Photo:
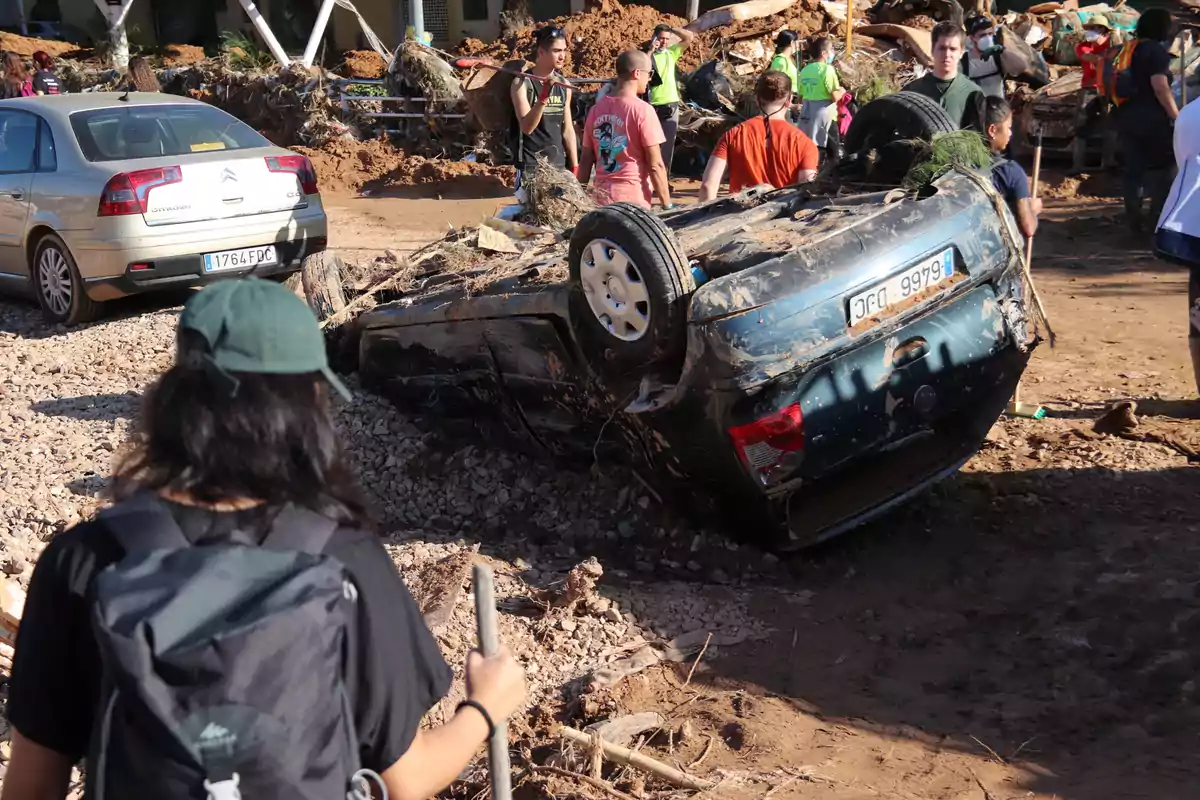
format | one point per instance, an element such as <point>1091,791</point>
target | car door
<point>18,160</point>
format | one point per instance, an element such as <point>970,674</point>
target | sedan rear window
<point>131,132</point>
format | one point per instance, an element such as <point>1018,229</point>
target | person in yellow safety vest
<point>667,47</point>
<point>785,58</point>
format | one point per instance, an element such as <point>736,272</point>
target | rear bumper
<point>872,486</point>
<point>182,271</point>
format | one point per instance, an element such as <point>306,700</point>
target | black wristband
<point>475,704</point>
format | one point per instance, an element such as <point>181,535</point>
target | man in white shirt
<point>1177,238</point>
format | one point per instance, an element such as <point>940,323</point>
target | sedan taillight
<point>770,442</point>
<point>299,166</point>
<point>128,192</point>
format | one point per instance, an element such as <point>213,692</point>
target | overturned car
<point>792,364</point>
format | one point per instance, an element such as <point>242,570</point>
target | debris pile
<point>594,38</point>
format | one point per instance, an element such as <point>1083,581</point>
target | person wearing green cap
<point>236,435</point>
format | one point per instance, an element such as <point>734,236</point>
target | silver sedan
<point>103,195</point>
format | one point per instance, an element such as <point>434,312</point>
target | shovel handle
<point>499,769</point>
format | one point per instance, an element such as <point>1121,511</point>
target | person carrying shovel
<point>545,129</point>
<point>231,626</point>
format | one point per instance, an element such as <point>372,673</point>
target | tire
<point>904,115</point>
<point>58,286</point>
<point>623,249</point>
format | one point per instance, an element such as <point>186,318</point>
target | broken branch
<point>599,784</point>
<point>623,755</point>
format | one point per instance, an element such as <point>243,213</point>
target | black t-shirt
<point>546,141</point>
<point>46,82</point>
<point>55,685</point>
<point>1150,58</point>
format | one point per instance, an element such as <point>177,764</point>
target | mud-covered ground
<point>1028,629</point>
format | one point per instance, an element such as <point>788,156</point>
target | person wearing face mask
<point>1093,105</point>
<point>982,64</point>
<point>820,92</point>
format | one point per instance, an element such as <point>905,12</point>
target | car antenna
<point>125,97</point>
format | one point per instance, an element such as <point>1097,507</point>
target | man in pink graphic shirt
<point>623,140</point>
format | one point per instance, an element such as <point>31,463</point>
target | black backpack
<point>224,664</point>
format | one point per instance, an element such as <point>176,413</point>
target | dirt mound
<point>345,166</point>
<point>806,18</point>
<point>415,170</point>
<point>594,38</point>
<point>363,64</point>
<point>597,36</point>
<point>922,21</point>
<point>26,46</point>
<point>182,55</point>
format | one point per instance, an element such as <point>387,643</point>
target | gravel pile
<point>69,399</point>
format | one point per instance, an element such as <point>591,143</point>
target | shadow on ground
<point>1051,616</point>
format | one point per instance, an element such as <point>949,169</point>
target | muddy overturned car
<point>838,356</point>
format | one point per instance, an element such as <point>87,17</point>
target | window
<point>129,132</point>
<point>475,10</point>
<point>18,141</point>
<point>47,156</point>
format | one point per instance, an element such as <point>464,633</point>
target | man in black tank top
<point>544,125</point>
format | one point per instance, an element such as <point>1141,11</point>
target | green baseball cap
<point>258,326</point>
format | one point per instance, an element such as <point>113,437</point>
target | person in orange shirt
<point>766,149</point>
<point>1093,104</point>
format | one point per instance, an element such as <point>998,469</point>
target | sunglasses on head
<point>549,34</point>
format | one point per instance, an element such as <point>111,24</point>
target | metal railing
<point>344,101</point>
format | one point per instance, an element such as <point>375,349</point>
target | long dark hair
<point>272,441</point>
<point>784,40</point>
<point>1155,24</point>
<point>14,74</point>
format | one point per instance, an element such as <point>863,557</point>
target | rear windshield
<point>130,132</point>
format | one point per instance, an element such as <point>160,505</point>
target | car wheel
<point>885,136</point>
<point>59,288</point>
<point>630,281</point>
<point>903,115</point>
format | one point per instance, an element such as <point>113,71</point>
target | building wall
<point>139,25</point>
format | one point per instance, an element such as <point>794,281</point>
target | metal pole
<point>21,13</point>
<point>416,18</point>
<point>693,10</point>
<point>499,769</point>
<point>318,31</point>
<point>849,26</point>
<point>114,14</point>
<point>264,31</point>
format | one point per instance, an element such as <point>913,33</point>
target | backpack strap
<point>143,523</point>
<point>296,528</point>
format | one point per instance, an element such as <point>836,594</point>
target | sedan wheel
<point>60,290</point>
<point>54,281</point>
<point>615,290</point>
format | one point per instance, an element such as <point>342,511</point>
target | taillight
<point>128,192</point>
<point>767,443</point>
<point>299,166</point>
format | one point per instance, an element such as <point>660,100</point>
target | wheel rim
<point>615,290</point>
<point>54,280</point>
